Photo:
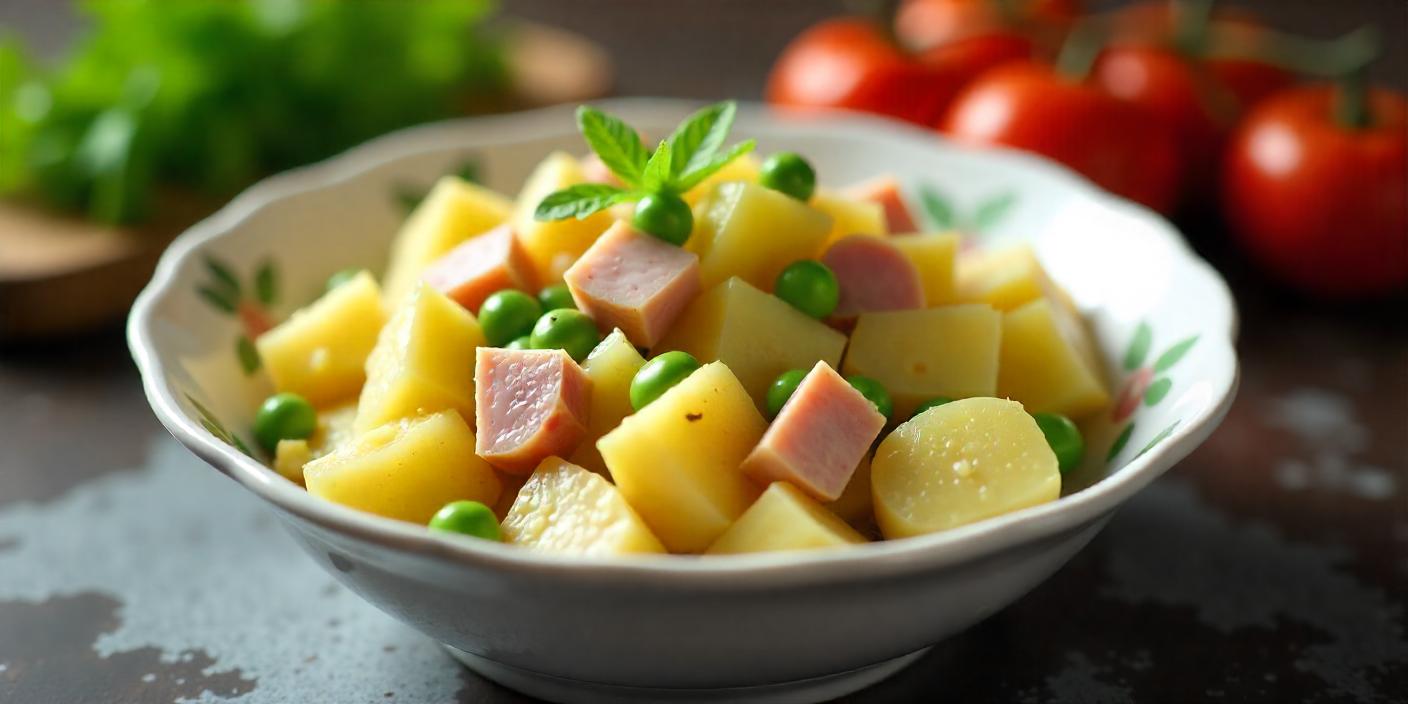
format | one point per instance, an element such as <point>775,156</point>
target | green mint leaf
<point>619,147</point>
<point>692,178</point>
<point>700,136</point>
<point>657,174</point>
<point>580,201</point>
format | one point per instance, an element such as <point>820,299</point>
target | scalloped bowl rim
<point>934,551</point>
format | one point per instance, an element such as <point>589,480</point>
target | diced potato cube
<point>422,362</point>
<point>784,518</point>
<point>1044,363</point>
<point>566,509</point>
<point>744,168</point>
<point>611,367</point>
<point>959,463</point>
<point>933,255</point>
<point>756,334</point>
<point>752,232</point>
<point>1004,278</point>
<point>289,458</point>
<point>406,470</point>
<point>677,460</point>
<point>553,246</point>
<point>454,211</point>
<point>854,506</point>
<point>321,351</point>
<point>849,216</point>
<point>919,354</point>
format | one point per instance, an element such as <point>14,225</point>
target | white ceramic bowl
<point>771,627</point>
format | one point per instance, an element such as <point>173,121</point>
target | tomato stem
<point>1352,100</point>
<point>1081,48</point>
<point>1191,21</point>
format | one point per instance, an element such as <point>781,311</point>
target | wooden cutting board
<point>61,275</point>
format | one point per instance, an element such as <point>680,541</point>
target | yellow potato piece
<point>677,460</point>
<point>784,518</point>
<point>933,255</point>
<point>423,362</point>
<point>454,211</point>
<point>554,246</point>
<point>853,505</point>
<point>1004,278</point>
<point>849,216</point>
<point>1043,365</point>
<point>611,367</point>
<point>959,463</point>
<point>321,351</point>
<point>919,354</point>
<point>744,168</point>
<point>406,470</point>
<point>289,458</point>
<point>745,230</point>
<point>756,334</point>
<point>564,508</point>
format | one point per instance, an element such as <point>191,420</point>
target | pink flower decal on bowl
<point>1146,384</point>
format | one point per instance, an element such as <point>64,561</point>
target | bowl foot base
<point>571,691</point>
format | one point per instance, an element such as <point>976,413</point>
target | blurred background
<point>121,123</point>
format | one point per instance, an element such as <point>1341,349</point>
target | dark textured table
<point>1271,565</point>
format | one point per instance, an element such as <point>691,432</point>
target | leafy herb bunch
<point>652,180</point>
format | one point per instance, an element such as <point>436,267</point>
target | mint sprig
<point>682,161</point>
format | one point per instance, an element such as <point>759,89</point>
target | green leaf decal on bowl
<point>1163,435</point>
<point>937,208</point>
<point>1157,391</point>
<point>1138,347</point>
<point>266,283</point>
<point>1120,441</point>
<point>1171,356</point>
<point>248,355</point>
<point>992,210</point>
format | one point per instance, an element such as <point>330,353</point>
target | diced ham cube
<point>819,437</point>
<point>885,190</point>
<point>530,404</point>
<point>635,282</point>
<point>480,266</point>
<point>874,275</point>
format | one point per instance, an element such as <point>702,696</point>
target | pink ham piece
<point>596,171</point>
<point>635,282</point>
<point>818,438</point>
<point>480,266</point>
<point>885,190</point>
<point>874,276</point>
<point>530,404</point>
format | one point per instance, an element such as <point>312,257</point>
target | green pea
<point>934,402</point>
<point>789,173</point>
<point>556,296</point>
<point>660,375</point>
<point>520,343</point>
<point>284,416</point>
<point>342,277</point>
<point>809,286</point>
<point>565,329</point>
<point>664,215</point>
<point>507,315</point>
<point>1064,438</point>
<point>782,389</point>
<point>875,392</point>
<point>466,518</point>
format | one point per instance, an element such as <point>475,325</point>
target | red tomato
<point>1322,206</point>
<point>1185,95</point>
<point>849,63</point>
<point>928,23</point>
<point>1110,141</point>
